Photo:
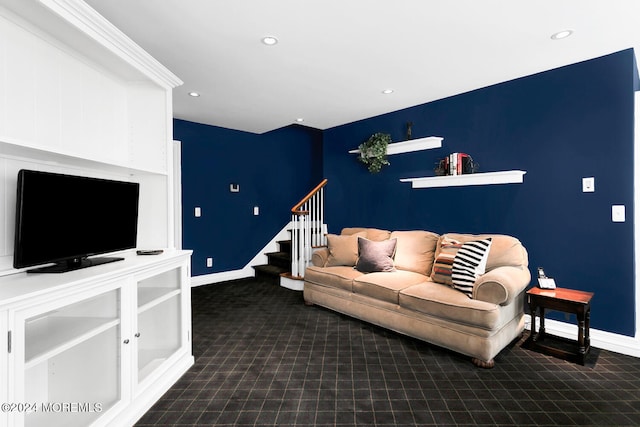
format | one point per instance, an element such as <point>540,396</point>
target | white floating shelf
<point>485,178</point>
<point>428,143</point>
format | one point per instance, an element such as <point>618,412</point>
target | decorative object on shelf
<point>409,125</point>
<point>373,152</point>
<point>456,164</point>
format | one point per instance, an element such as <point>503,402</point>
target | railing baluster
<point>308,229</point>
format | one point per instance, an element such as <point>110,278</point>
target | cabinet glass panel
<point>67,353</point>
<point>160,334</point>
<point>156,289</point>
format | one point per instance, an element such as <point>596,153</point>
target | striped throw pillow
<point>444,261</point>
<point>469,263</point>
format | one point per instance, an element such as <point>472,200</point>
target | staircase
<point>278,263</point>
<point>286,267</point>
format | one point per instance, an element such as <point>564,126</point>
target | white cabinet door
<point>66,359</point>
<point>4,368</point>
<point>160,323</point>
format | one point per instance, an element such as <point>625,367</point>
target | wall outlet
<point>197,212</point>
<point>588,185</point>
<point>618,213</point>
<point>209,262</point>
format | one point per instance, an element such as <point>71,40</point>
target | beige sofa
<point>409,300</point>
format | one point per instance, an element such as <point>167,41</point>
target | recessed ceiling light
<point>299,120</point>
<point>561,34</point>
<point>387,91</point>
<point>194,94</point>
<point>269,40</point>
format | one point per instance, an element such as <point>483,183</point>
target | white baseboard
<point>223,276</point>
<point>622,344</point>
<point>247,270</point>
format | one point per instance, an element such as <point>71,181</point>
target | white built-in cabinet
<point>106,341</point>
<point>79,97</point>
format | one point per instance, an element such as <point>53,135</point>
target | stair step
<point>269,272</point>
<point>285,245</point>
<point>280,259</point>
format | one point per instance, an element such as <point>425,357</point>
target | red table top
<point>563,294</point>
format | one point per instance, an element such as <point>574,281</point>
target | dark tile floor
<point>263,358</point>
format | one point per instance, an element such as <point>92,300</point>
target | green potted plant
<point>373,152</point>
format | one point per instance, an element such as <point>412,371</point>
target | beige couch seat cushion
<point>386,285</point>
<point>415,250</point>
<point>444,302</point>
<point>340,277</point>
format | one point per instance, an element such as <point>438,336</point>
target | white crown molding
<point>86,19</point>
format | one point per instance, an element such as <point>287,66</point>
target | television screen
<point>64,219</point>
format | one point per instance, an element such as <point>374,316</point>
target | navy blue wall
<point>559,126</point>
<point>274,171</point>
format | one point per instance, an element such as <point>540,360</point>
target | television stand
<point>74,264</point>
<point>108,341</point>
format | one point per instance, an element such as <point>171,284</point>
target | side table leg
<point>541,332</point>
<point>532,309</point>
<point>581,335</point>
<point>587,338</point>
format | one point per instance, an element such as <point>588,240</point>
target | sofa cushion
<point>447,303</point>
<point>343,250</point>
<point>375,256</point>
<point>340,277</point>
<point>385,286</point>
<point>415,250</point>
<point>370,233</point>
<point>469,264</point>
<point>446,252</point>
<point>505,250</point>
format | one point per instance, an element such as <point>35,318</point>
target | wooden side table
<point>568,301</point>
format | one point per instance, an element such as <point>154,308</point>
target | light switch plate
<point>197,212</point>
<point>617,213</point>
<point>256,210</point>
<point>588,185</point>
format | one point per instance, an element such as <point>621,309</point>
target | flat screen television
<point>65,219</point>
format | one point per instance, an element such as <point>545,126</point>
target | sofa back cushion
<point>415,250</point>
<point>505,250</point>
<point>343,250</point>
<point>374,234</point>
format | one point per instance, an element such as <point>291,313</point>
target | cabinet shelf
<point>149,360</point>
<point>150,297</point>
<point>49,336</point>
<point>22,149</point>
<point>418,144</point>
<point>485,178</point>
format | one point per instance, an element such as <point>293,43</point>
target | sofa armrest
<point>319,257</point>
<point>501,285</point>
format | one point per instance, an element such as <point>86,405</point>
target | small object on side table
<point>568,301</point>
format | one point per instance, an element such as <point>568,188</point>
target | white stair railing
<point>307,229</point>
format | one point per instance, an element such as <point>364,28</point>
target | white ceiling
<point>335,57</point>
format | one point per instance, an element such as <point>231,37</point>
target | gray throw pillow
<point>375,256</point>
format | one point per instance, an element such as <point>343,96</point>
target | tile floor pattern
<point>263,358</point>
